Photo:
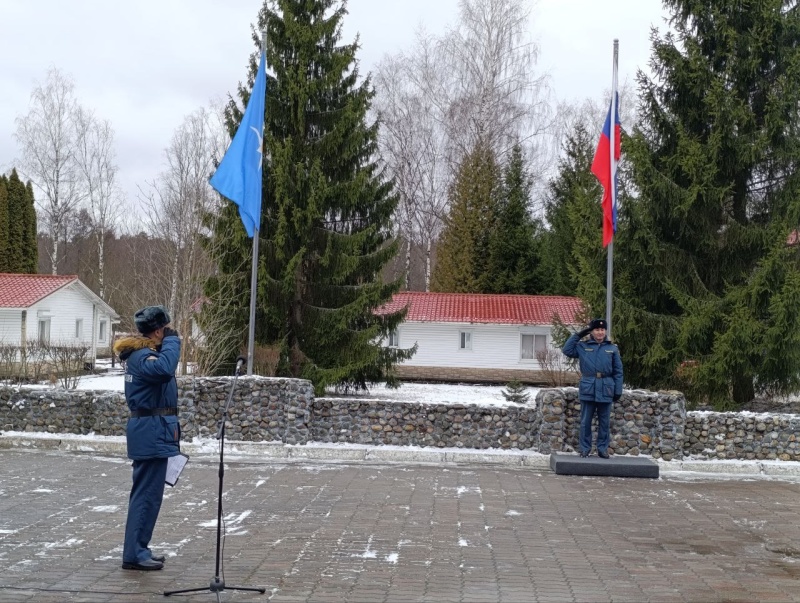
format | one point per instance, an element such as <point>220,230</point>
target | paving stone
<point>374,532</point>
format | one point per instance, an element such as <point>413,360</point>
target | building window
<point>102,332</point>
<point>78,328</point>
<point>465,340</point>
<point>530,344</point>
<point>44,331</point>
<point>394,339</point>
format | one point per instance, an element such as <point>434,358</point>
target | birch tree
<point>175,208</point>
<point>94,157</point>
<point>475,85</point>
<point>495,96</point>
<point>412,145</point>
<point>47,135</point>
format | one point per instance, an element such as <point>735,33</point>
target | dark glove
<point>584,333</point>
<point>617,397</point>
<point>170,332</point>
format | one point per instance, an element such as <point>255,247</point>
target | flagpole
<point>251,331</point>
<point>612,141</point>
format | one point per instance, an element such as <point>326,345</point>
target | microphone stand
<point>218,584</point>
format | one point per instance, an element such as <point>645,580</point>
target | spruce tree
<point>326,208</point>
<point>3,223</point>
<point>713,306</point>
<point>30,263</point>
<point>513,247</point>
<point>517,392</point>
<point>463,250</point>
<point>573,259</point>
<point>17,198</point>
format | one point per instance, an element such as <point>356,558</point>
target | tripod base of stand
<point>217,586</point>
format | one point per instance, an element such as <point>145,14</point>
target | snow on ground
<point>432,393</point>
<point>439,393</point>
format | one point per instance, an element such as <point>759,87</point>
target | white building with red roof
<point>53,308</point>
<point>478,337</point>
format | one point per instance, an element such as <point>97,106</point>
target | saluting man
<point>600,385</point>
<point>153,431</point>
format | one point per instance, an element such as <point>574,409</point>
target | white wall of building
<point>492,346</point>
<point>10,326</point>
<point>67,316</point>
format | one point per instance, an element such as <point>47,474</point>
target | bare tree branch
<point>47,136</point>
<point>94,157</point>
<point>174,210</point>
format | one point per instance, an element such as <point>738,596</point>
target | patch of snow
<point>392,557</point>
<point>462,542</point>
<point>432,393</point>
<point>70,542</point>
<point>437,393</point>
<point>106,509</point>
<point>368,552</point>
<point>466,489</point>
<point>739,413</point>
<point>512,513</point>
<point>229,520</point>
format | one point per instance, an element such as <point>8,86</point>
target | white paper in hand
<point>175,465</point>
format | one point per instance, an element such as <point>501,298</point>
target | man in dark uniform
<point>153,431</point>
<point>600,385</point>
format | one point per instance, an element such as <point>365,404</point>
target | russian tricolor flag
<point>605,169</point>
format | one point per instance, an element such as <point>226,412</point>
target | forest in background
<point>479,183</point>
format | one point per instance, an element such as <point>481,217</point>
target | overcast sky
<point>146,64</point>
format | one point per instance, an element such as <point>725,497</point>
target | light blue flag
<point>238,176</point>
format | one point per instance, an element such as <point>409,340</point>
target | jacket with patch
<point>601,368</point>
<point>150,383</point>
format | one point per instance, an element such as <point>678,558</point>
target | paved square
<point>389,533</point>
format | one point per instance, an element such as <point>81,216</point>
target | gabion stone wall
<point>285,410</point>
<point>415,424</point>
<point>262,409</point>
<point>642,422</point>
<point>743,436</point>
<point>61,411</point>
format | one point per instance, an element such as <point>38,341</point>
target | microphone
<point>240,362</point>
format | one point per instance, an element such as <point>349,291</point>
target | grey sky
<point>145,65</point>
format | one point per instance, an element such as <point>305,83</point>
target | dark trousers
<point>603,411</point>
<point>143,507</point>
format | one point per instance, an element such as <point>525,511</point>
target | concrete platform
<point>616,466</point>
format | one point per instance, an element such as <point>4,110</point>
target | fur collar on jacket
<point>128,345</point>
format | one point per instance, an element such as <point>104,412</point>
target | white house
<point>477,337</point>
<point>53,308</point>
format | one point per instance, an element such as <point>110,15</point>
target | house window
<point>44,331</point>
<point>102,332</point>
<point>530,344</point>
<point>394,339</point>
<point>465,340</point>
<point>78,328</point>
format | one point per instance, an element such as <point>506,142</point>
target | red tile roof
<point>24,290</point>
<point>485,308</point>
